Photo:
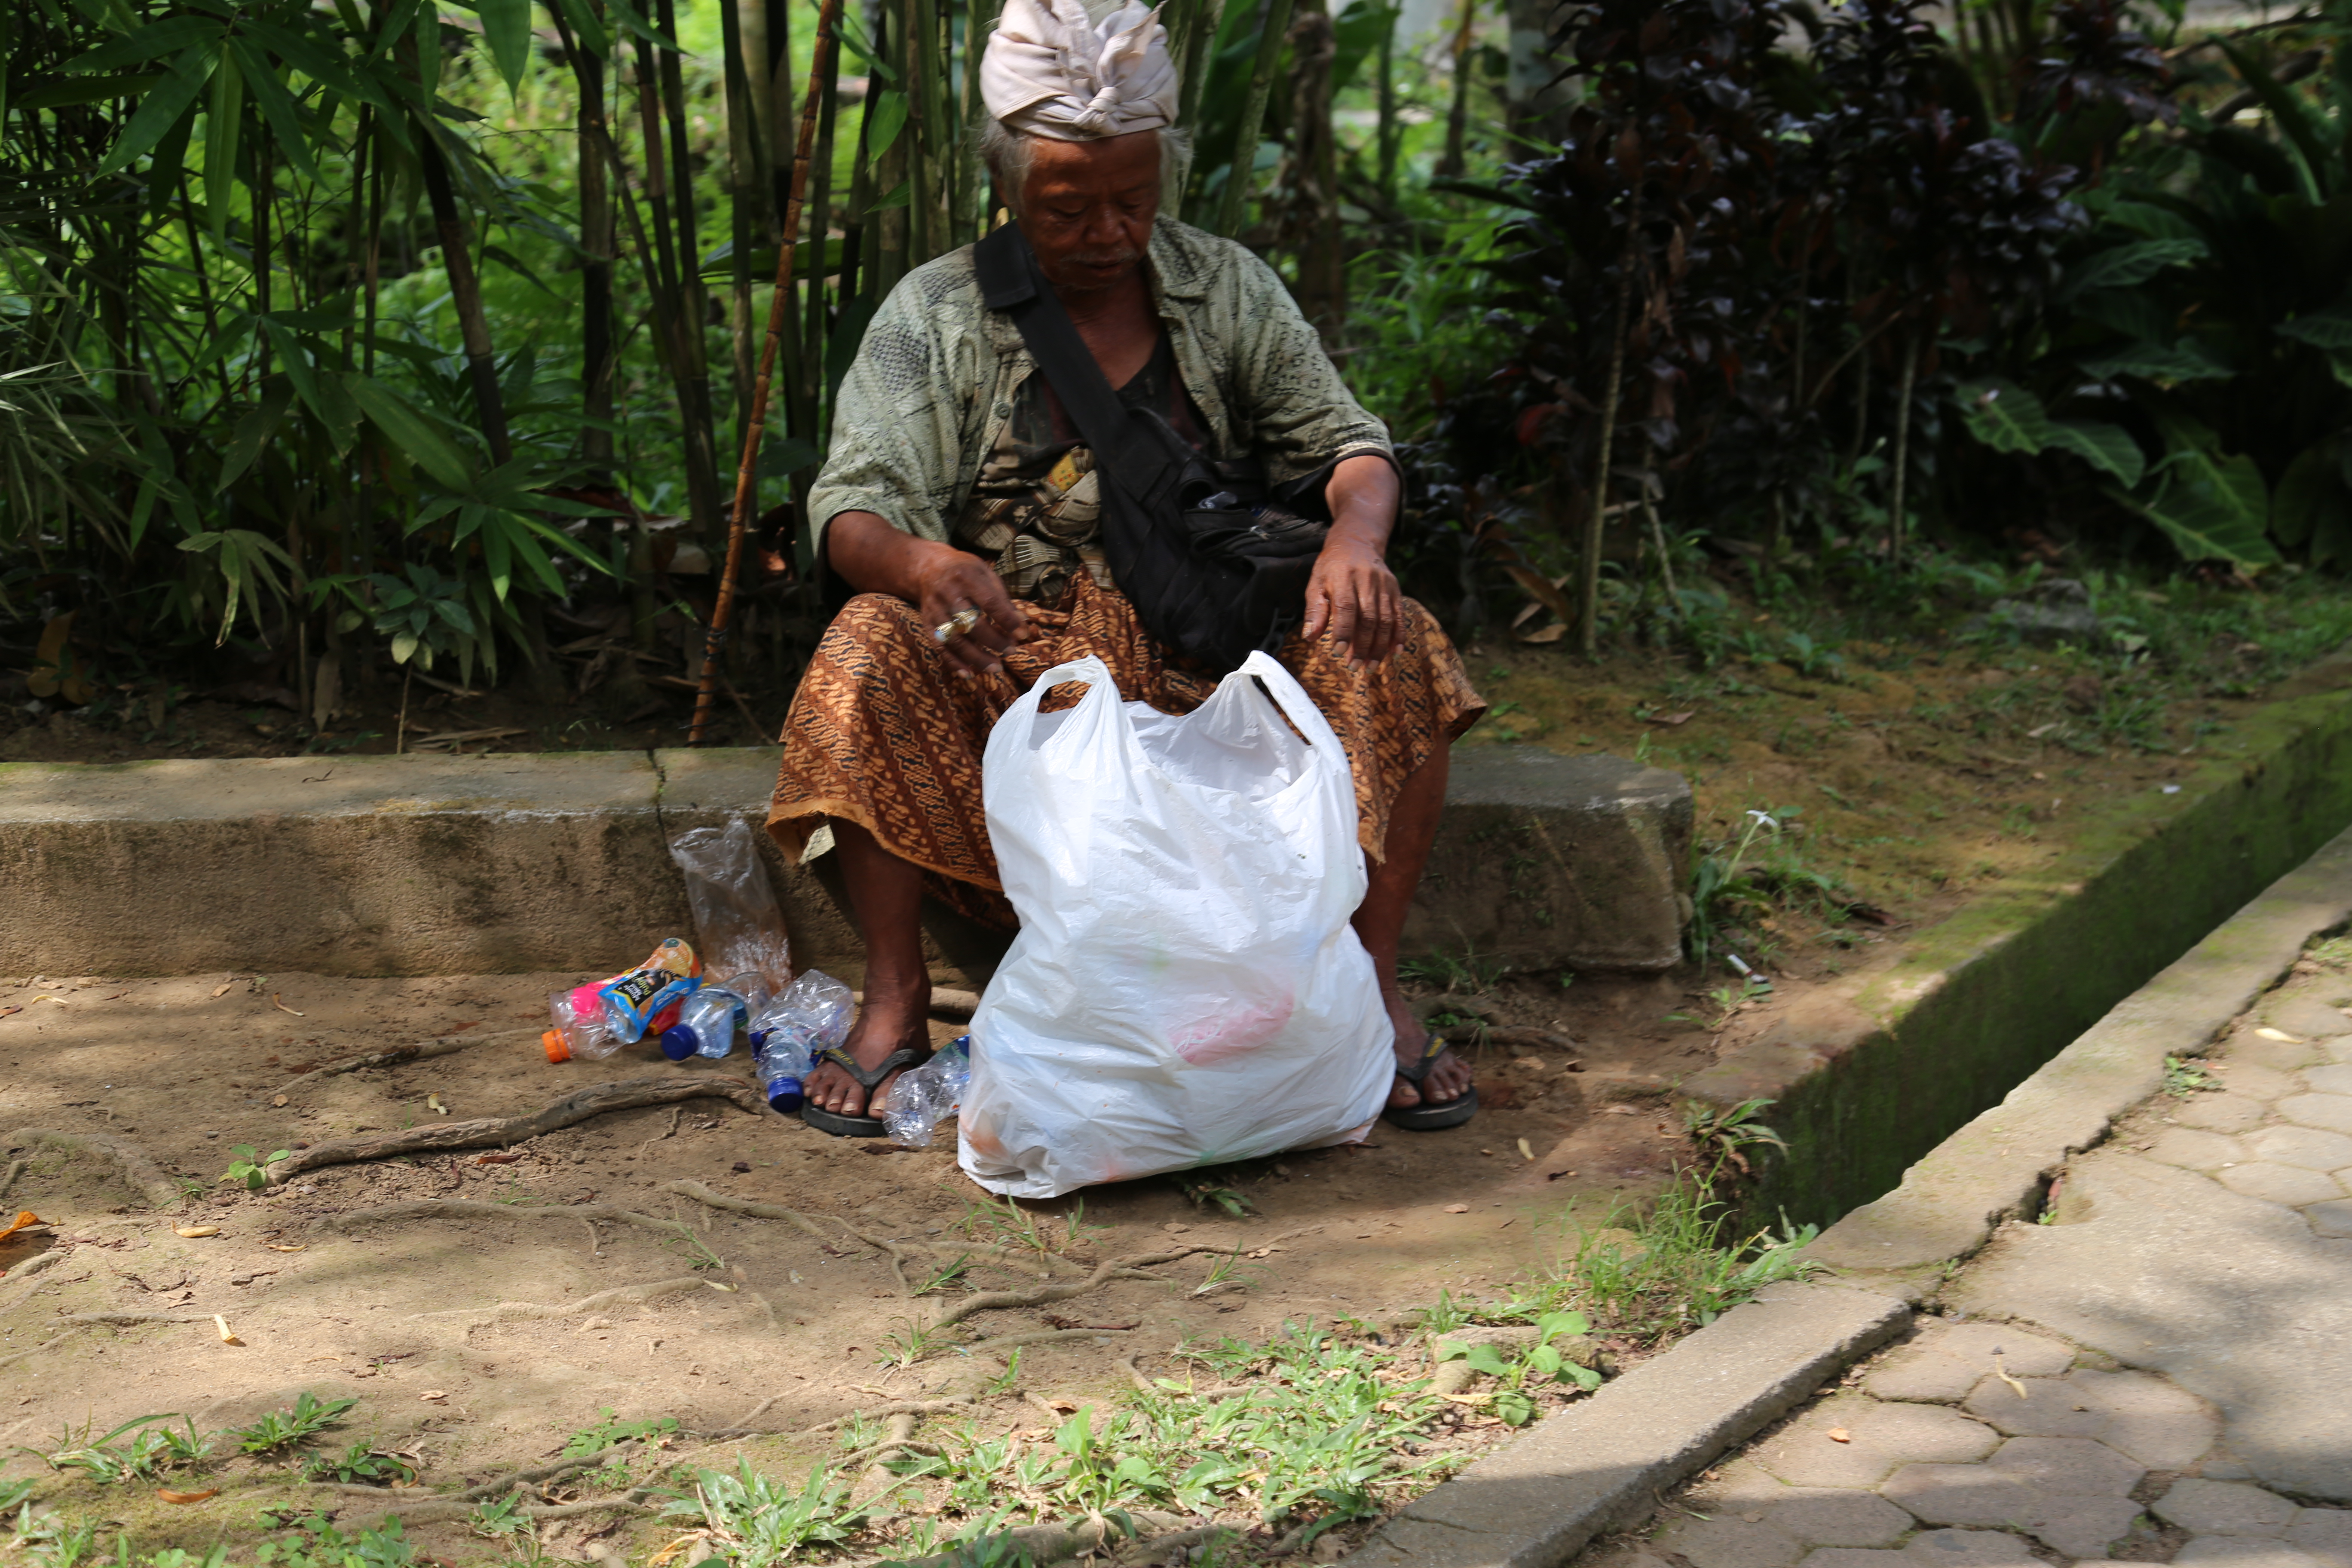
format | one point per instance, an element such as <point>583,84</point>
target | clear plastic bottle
<point>707,1024</point>
<point>810,1017</point>
<point>583,1028</point>
<point>923,1096</point>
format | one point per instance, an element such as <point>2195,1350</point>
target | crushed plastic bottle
<point>707,1024</point>
<point>637,999</point>
<point>923,1096</point>
<point>584,1029</point>
<point>810,1017</point>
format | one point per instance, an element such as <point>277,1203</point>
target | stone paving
<point>2160,1371</point>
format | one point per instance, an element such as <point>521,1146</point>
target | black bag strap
<point>1010,281</point>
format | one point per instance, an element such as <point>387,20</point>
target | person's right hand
<point>936,578</point>
<point>947,581</point>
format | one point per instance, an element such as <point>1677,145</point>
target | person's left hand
<point>1354,596</point>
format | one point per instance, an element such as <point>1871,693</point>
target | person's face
<point>1088,206</point>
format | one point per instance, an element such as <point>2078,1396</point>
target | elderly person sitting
<point>959,517</point>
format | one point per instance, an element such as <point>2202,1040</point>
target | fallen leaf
<point>2269,1034</point>
<point>1525,1152</point>
<point>173,1496</point>
<point>25,1218</point>
<point>1458,1208</point>
<point>2003,1373</point>
<point>280,1102</point>
<point>192,1231</point>
<point>1672,718</point>
<point>496,1159</point>
<point>275,1247</point>
<point>249,1278</point>
<point>434,1394</point>
<point>278,1001</point>
<point>1550,634</point>
<point>1621,1111</point>
<point>228,1336</point>
<point>5,1011</point>
<point>1840,1435</point>
<point>221,991</point>
<point>432,1102</point>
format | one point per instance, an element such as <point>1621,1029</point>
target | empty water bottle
<point>811,1017</point>
<point>923,1096</point>
<point>707,1024</point>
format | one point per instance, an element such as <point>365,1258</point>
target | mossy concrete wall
<point>1869,1076</point>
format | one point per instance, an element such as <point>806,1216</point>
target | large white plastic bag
<point>1185,987</point>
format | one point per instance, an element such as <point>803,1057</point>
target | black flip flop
<point>842,1126</point>
<point>1432,1118</point>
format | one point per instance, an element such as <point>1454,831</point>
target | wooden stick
<point>756,420</point>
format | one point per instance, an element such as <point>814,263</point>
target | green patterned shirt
<point>932,388</point>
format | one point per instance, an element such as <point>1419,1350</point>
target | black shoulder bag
<point>1214,574</point>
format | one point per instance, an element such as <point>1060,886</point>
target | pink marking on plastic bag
<point>1224,1033</point>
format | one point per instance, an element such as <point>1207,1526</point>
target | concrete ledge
<point>435,865</point>
<point>1548,861</point>
<point>1998,1166</point>
<point>1599,1464</point>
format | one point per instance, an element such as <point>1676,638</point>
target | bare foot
<point>1449,1076</point>
<point>884,1024</point>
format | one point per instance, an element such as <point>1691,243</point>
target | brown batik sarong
<point>883,733</point>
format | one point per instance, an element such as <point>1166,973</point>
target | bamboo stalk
<point>779,308</point>
<point>1457,118</point>
<point>465,296</point>
<point>1588,568</point>
<point>1235,208</point>
<point>1895,519</point>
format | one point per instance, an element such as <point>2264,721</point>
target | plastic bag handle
<point>1090,669</point>
<point>1281,687</point>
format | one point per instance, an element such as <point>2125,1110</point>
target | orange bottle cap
<point>551,1042</point>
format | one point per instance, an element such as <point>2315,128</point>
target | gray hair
<point>1006,153</point>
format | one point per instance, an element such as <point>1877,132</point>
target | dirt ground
<point>784,1331</point>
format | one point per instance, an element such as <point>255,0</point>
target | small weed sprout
<point>1728,1131</point>
<point>2184,1075</point>
<point>605,1434</point>
<point>249,1170</point>
<point>360,1465</point>
<point>947,1275</point>
<point>308,1417</point>
<point>1224,1274</point>
<point>698,1257</point>
<point>751,1521</point>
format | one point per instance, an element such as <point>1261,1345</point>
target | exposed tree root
<point>627,1094</point>
<point>544,1473</point>
<point>1044,1544</point>
<point>154,1185</point>
<point>1036,1337</point>
<point>423,1050</point>
<point>534,1312</point>
<point>1046,1295</point>
<point>125,1318</point>
<point>16,1169</point>
<point>899,1407</point>
<point>877,1478</point>
<point>50,1344</point>
<point>467,1208</point>
<point>899,1249</point>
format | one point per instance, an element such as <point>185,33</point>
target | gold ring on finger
<point>956,627</point>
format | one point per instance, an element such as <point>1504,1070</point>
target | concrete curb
<point>1602,1464</point>
<point>1599,1464</point>
<point>1998,1166</point>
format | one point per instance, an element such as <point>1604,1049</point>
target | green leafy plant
<point>306,1418</point>
<point>1544,1362</point>
<point>1203,1191</point>
<point>755,1521</point>
<point>1728,1131</point>
<point>248,1170</point>
<point>605,1434</point>
<point>360,1465</point>
<point>152,1449</point>
<point>1468,972</point>
<point>2185,1076</point>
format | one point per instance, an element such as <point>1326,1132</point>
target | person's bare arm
<point>1353,594</point>
<point>937,579</point>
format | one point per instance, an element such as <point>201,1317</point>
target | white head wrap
<point>1050,71</point>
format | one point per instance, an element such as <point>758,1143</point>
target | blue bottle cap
<point>677,1042</point>
<point>785,1094</point>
